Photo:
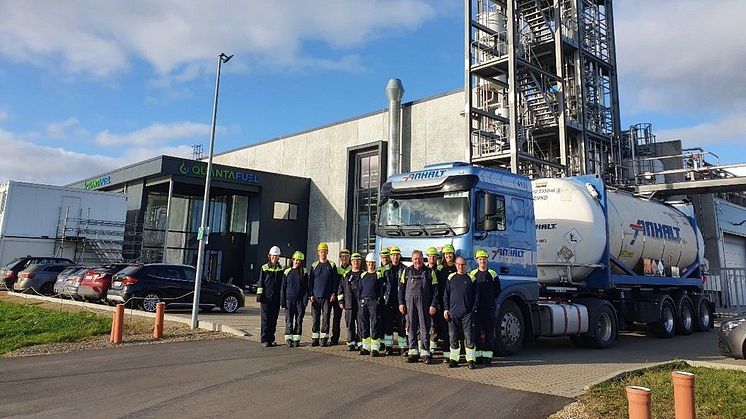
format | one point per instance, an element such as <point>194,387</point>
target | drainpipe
<point>394,93</point>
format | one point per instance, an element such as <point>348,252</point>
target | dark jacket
<point>392,275</point>
<point>370,286</point>
<point>323,279</point>
<point>347,291</point>
<point>442,272</point>
<point>270,284</point>
<point>460,294</point>
<point>294,285</point>
<point>488,287</point>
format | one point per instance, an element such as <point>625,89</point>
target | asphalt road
<point>237,377</point>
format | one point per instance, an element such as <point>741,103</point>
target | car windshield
<point>11,263</point>
<point>450,210</point>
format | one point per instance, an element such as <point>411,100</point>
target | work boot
<point>389,351</point>
<point>472,365</point>
<point>374,353</point>
<point>403,351</point>
<point>486,360</point>
<point>412,359</point>
<point>364,352</point>
<point>290,343</point>
<point>266,344</point>
<point>334,342</point>
<point>452,363</point>
<point>427,360</point>
<point>314,342</point>
<point>351,348</point>
<point>324,342</point>
<point>297,344</point>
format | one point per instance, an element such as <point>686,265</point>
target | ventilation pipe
<point>394,93</point>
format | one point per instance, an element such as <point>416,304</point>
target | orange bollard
<point>119,323</point>
<point>683,394</point>
<point>113,327</point>
<point>638,399</point>
<point>160,308</point>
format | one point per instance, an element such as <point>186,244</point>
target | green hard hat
<point>481,253</point>
<point>356,256</point>
<point>431,251</point>
<point>385,252</point>
<point>298,255</point>
<point>394,250</point>
<point>449,249</point>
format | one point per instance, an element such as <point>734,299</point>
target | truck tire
<point>604,328</point>
<point>665,327</point>
<point>510,329</point>
<point>704,319</point>
<point>685,319</point>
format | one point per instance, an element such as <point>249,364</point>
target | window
<point>55,268</point>
<point>367,181</point>
<point>285,211</point>
<point>239,213</point>
<point>499,216</point>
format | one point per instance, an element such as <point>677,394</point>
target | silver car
<point>59,286</point>
<point>732,337</point>
<point>39,279</point>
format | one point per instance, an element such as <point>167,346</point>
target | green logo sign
<point>196,169</point>
<point>97,183</point>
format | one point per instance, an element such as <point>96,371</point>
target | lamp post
<point>203,232</point>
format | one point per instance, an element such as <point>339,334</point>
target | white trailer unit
<point>46,220</point>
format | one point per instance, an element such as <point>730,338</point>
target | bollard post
<point>160,308</point>
<point>683,394</point>
<point>638,399</point>
<point>119,323</point>
<point>113,327</point>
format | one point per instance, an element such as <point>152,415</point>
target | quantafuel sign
<point>233,175</point>
<point>97,183</point>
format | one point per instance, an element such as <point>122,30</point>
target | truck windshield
<point>443,214</point>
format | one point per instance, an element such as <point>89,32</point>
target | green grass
<point>718,393</point>
<point>27,325</point>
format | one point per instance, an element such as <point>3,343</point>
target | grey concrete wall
<point>432,131</point>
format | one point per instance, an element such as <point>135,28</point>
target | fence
<point>727,290</point>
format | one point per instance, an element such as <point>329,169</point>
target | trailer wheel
<point>704,319</point>
<point>685,320</point>
<point>510,329</point>
<point>666,324</point>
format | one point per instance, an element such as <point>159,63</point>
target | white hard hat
<point>371,257</point>
<point>274,251</point>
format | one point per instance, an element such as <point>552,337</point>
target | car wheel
<point>46,288</point>
<point>150,301</point>
<point>229,304</point>
<point>685,321</point>
<point>666,324</point>
<point>704,319</point>
<point>510,329</point>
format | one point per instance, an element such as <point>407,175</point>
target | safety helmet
<point>449,249</point>
<point>356,256</point>
<point>344,252</point>
<point>274,251</point>
<point>394,250</point>
<point>371,257</point>
<point>298,255</point>
<point>323,246</point>
<point>385,252</point>
<point>431,251</point>
<point>481,253</point>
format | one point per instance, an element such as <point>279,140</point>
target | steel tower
<point>541,86</point>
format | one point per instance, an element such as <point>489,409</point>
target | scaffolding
<point>95,241</point>
<point>541,86</point>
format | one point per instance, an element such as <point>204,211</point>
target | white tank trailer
<point>572,232</point>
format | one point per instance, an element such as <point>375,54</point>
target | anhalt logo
<point>655,230</point>
<point>424,175</point>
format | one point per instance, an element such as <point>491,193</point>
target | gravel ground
<point>574,410</point>
<point>137,331</point>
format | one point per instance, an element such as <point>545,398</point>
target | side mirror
<point>489,224</point>
<point>490,204</point>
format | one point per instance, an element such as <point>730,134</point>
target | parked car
<point>147,285</point>
<point>59,285</point>
<point>732,337</point>
<point>9,272</point>
<point>72,283</point>
<point>96,281</point>
<point>38,279</point>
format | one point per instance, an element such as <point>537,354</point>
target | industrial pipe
<point>394,93</point>
<point>683,394</point>
<point>160,308</point>
<point>638,399</point>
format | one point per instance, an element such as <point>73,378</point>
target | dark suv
<point>9,272</point>
<point>147,285</point>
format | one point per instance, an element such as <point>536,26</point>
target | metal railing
<point>727,291</point>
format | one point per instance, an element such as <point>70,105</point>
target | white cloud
<point>60,129</point>
<point>182,38</point>
<point>730,129</point>
<point>155,134</point>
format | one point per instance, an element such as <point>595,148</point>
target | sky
<point>88,86</point>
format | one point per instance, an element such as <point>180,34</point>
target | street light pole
<point>203,232</point>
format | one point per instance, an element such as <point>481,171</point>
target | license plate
<point>117,283</point>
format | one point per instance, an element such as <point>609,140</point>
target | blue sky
<point>87,86</point>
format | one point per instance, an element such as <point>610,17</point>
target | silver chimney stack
<point>394,93</point>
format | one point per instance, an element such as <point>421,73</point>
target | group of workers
<point>431,306</point>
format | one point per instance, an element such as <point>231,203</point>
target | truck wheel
<point>604,328</point>
<point>666,324</point>
<point>704,320</point>
<point>685,321</point>
<point>510,329</point>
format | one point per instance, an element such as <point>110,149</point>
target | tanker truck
<point>574,257</point>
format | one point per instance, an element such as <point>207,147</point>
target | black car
<point>9,272</point>
<point>147,285</point>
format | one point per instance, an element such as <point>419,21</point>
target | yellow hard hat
<point>298,255</point>
<point>394,250</point>
<point>449,249</point>
<point>323,246</point>
<point>431,251</point>
<point>344,252</point>
<point>385,252</point>
<point>356,256</point>
<point>481,253</point>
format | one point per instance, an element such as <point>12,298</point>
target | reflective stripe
<point>340,297</point>
<point>454,355</point>
<point>424,353</point>
<point>366,344</point>
<point>388,340</point>
<point>351,344</point>
<point>446,354</point>
<point>470,355</point>
<point>324,335</point>
<point>487,354</point>
<point>296,338</point>
<point>478,354</point>
<point>260,290</point>
<point>413,352</point>
<point>288,337</point>
<point>375,345</point>
<point>314,335</point>
<point>433,346</point>
<point>402,342</point>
